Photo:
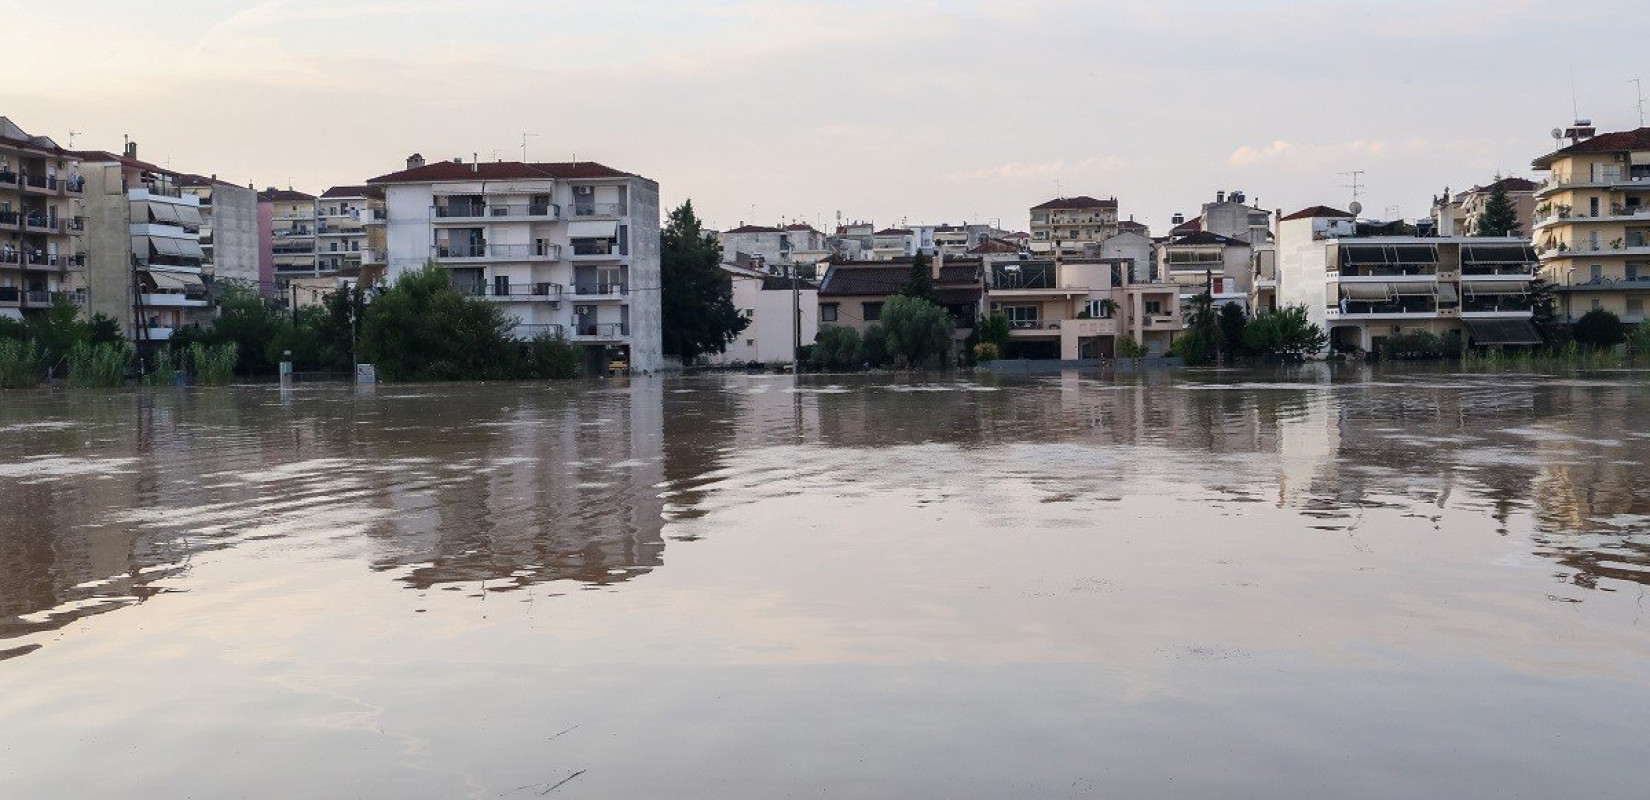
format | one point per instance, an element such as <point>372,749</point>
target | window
<point>1154,306</point>
<point>1022,316</point>
<point>873,312</point>
<point>1632,272</point>
<point>1635,309</point>
<point>1597,273</point>
<point>1598,305</point>
<point>827,312</point>
<point>1592,207</point>
<point>501,285</point>
<point>1099,309</point>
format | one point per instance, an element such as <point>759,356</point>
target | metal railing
<point>600,330</point>
<point>600,288</point>
<point>498,210</point>
<point>600,209</point>
<point>37,297</point>
<point>591,249</point>
<point>529,331</point>
<point>547,291</point>
<point>546,250</point>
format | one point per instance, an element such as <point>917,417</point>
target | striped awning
<point>1480,288</point>
<point>1502,331</point>
<point>1415,289</point>
<point>1366,291</point>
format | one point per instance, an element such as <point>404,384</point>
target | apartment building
<point>1065,225</point>
<point>1073,309</point>
<point>1458,214</point>
<point>42,246</point>
<point>769,301</point>
<point>145,264</point>
<point>343,223</point>
<point>780,245</point>
<point>292,221</point>
<point>891,243</point>
<point>567,249</point>
<point>1361,285</point>
<point>229,234</point>
<point>1592,222</point>
<point>1231,215</point>
<point>1207,261</point>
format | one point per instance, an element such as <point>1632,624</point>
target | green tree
<point>58,331</point>
<point>837,348</point>
<point>1500,216</point>
<point>697,303</point>
<point>918,332</point>
<point>1129,347</point>
<point>251,322</point>
<point>1232,322</point>
<point>1598,329</point>
<point>1544,308</point>
<point>920,283</point>
<point>1285,332</point>
<point>1638,342</point>
<point>994,330</point>
<point>1200,344</point>
<point>550,357</point>
<point>423,329</point>
<point>876,346</point>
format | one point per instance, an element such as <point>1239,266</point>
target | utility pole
<point>796,316</point>
<point>524,136</point>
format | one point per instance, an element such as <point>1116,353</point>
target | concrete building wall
<point>1131,246</point>
<point>108,244</point>
<point>236,255</point>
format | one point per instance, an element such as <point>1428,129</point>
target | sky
<point>918,111</point>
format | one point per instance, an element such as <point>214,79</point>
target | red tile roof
<point>894,232</point>
<point>1081,201</point>
<point>1190,226</point>
<point>1318,211</point>
<point>995,246</point>
<point>448,171</point>
<point>1131,225</point>
<point>1621,141</point>
<point>1205,237</point>
<point>753,229</point>
<point>283,196</point>
<point>801,228</point>
<point>1509,184</point>
<point>347,191</point>
<point>104,157</point>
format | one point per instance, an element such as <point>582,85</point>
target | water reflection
<point>491,489</point>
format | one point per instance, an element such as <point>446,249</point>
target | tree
<point>1599,328</point>
<point>918,332</point>
<point>876,346</point>
<point>252,322</point>
<point>1500,216</point>
<point>1545,310</point>
<point>1232,322</point>
<point>837,348</point>
<point>994,330</point>
<point>1201,342</point>
<point>697,303</point>
<point>1285,332</point>
<point>58,331</point>
<point>920,284</point>
<point>421,328</point>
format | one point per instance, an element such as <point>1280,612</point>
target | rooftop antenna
<point>1575,98</point>
<point>524,136</point>
<point>74,133</point>
<point>1356,185</point>
<point>1637,83</point>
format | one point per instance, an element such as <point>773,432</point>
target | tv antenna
<point>1357,184</point>
<point>73,133</point>
<point>1638,83</point>
<point>524,136</point>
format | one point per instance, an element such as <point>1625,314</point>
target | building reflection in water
<point>105,499</point>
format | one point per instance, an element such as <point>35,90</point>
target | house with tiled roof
<point>778,246</point>
<point>852,293</point>
<point>564,248</point>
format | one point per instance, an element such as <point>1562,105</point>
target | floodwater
<point>1304,584</point>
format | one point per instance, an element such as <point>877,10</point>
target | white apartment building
<point>782,245</point>
<point>1207,261</point>
<point>229,229</point>
<point>567,249</point>
<point>1066,225</point>
<point>769,301</point>
<point>342,214</point>
<point>1362,288</point>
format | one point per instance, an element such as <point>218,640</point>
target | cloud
<point>1014,170</point>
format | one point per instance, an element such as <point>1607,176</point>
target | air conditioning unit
<point>584,190</point>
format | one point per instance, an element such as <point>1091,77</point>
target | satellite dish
<point>1356,208</point>
<point>1558,133</point>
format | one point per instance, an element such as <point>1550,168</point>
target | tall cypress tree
<point>920,283</point>
<point>1500,217</point>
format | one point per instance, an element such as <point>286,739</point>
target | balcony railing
<point>10,295</point>
<point>600,209</point>
<point>600,289</point>
<point>42,224</point>
<point>37,298</point>
<point>502,252</point>
<point>1386,271</point>
<point>595,249</point>
<point>600,330</point>
<point>526,211</point>
<point>538,291</point>
<point>1024,324</point>
<point>74,184</point>
<point>528,332</point>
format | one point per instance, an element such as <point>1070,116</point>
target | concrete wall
<point>108,244</point>
<point>236,255</point>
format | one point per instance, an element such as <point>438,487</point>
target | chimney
<point>937,264</point>
<point>1177,219</point>
<point>415,161</point>
<point>1220,197</point>
<point>475,162</point>
<point>131,150</point>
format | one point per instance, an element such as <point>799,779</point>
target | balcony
<point>33,223</point>
<point>584,210</point>
<point>9,179</point>
<point>10,296</point>
<point>515,292</point>
<point>496,252</point>
<point>1635,282</point>
<point>1615,215</point>
<point>496,212</point>
<point>74,184</point>
<point>37,298</point>
<point>173,300</point>
<point>600,331</point>
<point>155,333</point>
<point>1161,322</point>
<point>39,184</point>
<point>595,250</point>
<point>374,257</point>
<point>599,290</point>
<point>47,261</point>
<point>529,332</point>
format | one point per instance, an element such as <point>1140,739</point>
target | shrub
<point>837,348</point>
<point>1412,346</point>
<point>98,366</point>
<point>551,357</point>
<point>1598,328</point>
<point>1127,347</point>
<point>161,368</point>
<point>987,351</point>
<point>1285,332</point>
<point>214,364</point>
<point>918,332</point>
<point>20,366</point>
<point>876,346</point>
<point>1638,342</point>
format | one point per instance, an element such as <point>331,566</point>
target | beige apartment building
<point>1458,214</point>
<point>1071,309</point>
<point>292,228</point>
<point>1592,222</point>
<point>42,250</point>
<point>1065,225</point>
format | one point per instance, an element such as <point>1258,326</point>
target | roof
<point>774,283</point>
<point>1508,184</point>
<point>449,171</point>
<point>104,156</point>
<point>1205,237</point>
<point>894,232</point>
<point>801,227</point>
<point>11,132</point>
<point>887,278</point>
<point>995,246</point>
<point>1190,226</point>
<point>284,196</point>
<point>1619,141</point>
<point>1080,201</point>
<point>1131,225</point>
<point>346,191</point>
<point>753,229</point>
<point>1318,211</point>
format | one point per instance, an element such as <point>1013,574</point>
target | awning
<point>11,313</point>
<point>189,216</point>
<point>165,213</point>
<point>1415,289</point>
<point>1447,293</point>
<point>593,229</point>
<point>1365,291</point>
<point>177,248</point>
<point>1478,288</point>
<point>175,281</point>
<point>1497,254</point>
<point>1502,331</point>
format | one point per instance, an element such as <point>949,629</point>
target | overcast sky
<point>888,110</point>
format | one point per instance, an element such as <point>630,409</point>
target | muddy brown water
<point>1303,584</point>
